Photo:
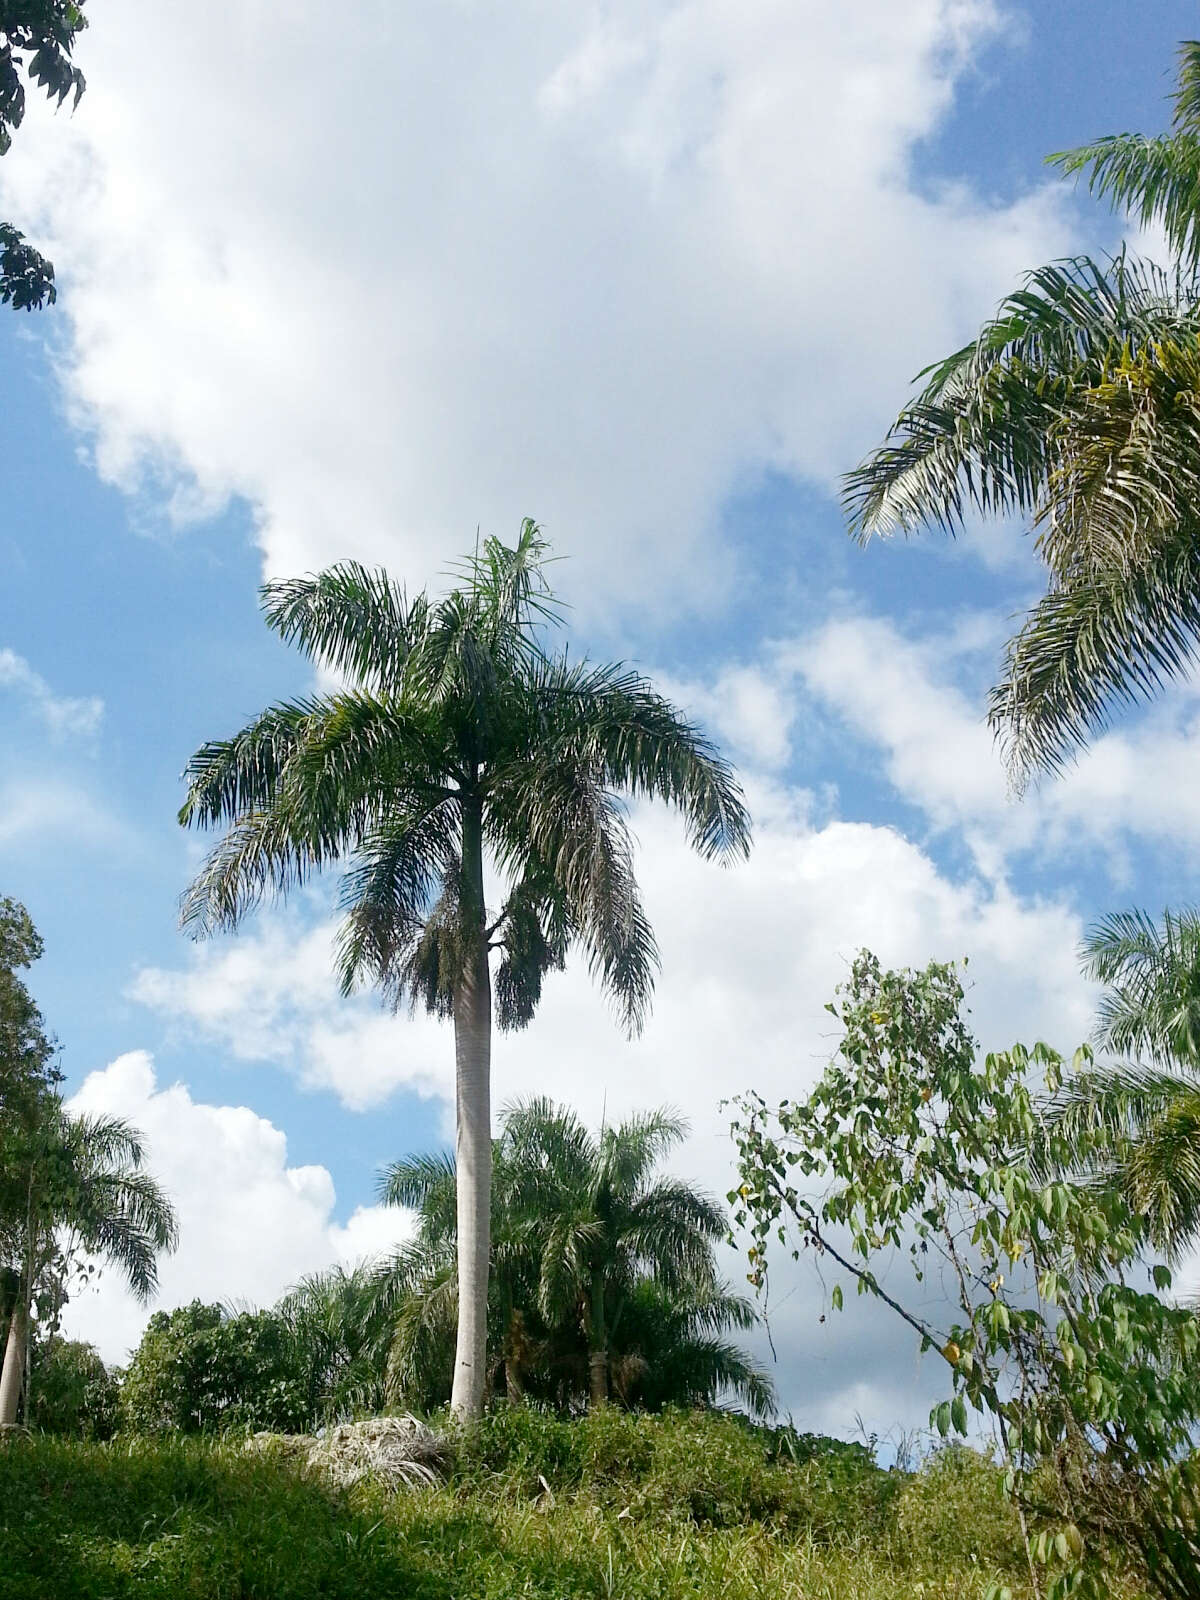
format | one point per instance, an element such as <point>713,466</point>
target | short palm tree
<point>338,1341</point>
<point>460,739</point>
<point>1077,407</point>
<point>1149,1096</point>
<point>85,1193</point>
<point>604,1274</point>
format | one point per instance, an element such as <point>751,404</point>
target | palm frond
<point>1151,1004</point>
<point>350,618</point>
<point>1157,180</point>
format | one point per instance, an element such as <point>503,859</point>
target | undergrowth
<point>679,1507</point>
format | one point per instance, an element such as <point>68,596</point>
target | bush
<point>72,1391</point>
<point>200,1371</point>
<point>955,1509</point>
<point>715,1469</point>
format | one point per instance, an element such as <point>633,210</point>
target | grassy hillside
<point>639,1508</point>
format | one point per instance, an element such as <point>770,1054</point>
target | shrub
<point>955,1509</point>
<point>72,1391</point>
<point>715,1469</point>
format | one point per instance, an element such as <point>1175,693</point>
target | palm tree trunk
<point>598,1377</point>
<point>14,1365</point>
<point>598,1346</point>
<point>473,1131</point>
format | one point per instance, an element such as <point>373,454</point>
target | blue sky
<point>655,277</point>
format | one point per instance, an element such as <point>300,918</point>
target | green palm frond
<point>425,1183</point>
<point>1076,408</point>
<point>351,619</point>
<point>1151,970</point>
<point>1091,646</point>
<point>1157,180</point>
<point>389,891</point>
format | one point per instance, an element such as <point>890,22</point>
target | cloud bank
<point>442,266</point>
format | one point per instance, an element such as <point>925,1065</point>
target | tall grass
<point>672,1508</point>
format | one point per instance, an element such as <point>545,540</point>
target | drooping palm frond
<point>1157,180</point>
<point>1151,970</point>
<point>1075,408</point>
<point>1152,1117</point>
<point>425,1184</point>
<point>985,433</point>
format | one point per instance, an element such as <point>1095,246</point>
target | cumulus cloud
<point>63,715</point>
<point>919,704</point>
<point>250,1224</point>
<point>446,266</point>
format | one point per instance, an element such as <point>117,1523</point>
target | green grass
<point>640,1509</point>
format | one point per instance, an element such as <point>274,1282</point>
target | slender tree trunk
<point>598,1377</point>
<point>14,1365</point>
<point>473,1130</point>
<point>598,1347</point>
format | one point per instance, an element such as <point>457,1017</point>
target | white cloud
<point>33,807</point>
<point>270,996</point>
<point>250,1225</point>
<point>445,267</point>
<point>63,715</point>
<point>905,697</point>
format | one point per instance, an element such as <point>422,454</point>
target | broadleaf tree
<point>461,742</point>
<point>1038,1294</point>
<point>37,38</point>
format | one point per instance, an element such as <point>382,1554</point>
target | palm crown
<point>460,731</point>
<point>1076,408</point>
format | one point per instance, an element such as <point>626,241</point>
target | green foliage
<point>36,40</point>
<point>198,1370</point>
<point>73,1392</point>
<point>1076,407</point>
<point>916,1146</point>
<point>1149,1107</point>
<point>603,1281</point>
<point>459,719</point>
<point>718,1470</point>
<point>152,1520</point>
<point>955,1510</point>
<point>26,1052</point>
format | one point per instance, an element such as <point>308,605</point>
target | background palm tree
<point>461,740</point>
<point>604,1276</point>
<point>1077,407</point>
<point>85,1193</point>
<point>1150,1011</point>
<point>339,1341</point>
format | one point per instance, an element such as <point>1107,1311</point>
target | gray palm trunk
<point>473,1131</point>
<point>14,1366</point>
<point>598,1353</point>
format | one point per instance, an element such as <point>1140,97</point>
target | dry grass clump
<point>399,1452</point>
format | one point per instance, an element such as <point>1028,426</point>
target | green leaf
<point>836,1297</point>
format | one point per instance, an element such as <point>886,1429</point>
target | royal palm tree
<point>1077,408</point>
<point>1149,1096</point>
<point>460,740</point>
<point>85,1192</point>
<point>604,1273</point>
